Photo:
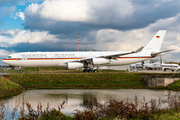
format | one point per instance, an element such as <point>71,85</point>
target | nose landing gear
<point>21,71</point>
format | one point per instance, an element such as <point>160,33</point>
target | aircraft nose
<point>5,61</point>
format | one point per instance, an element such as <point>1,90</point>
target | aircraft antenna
<point>78,42</point>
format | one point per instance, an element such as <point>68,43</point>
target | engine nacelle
<point>100,61</point>
<point>74,65</point>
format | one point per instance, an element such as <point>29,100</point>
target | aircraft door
<point>138,55</point>
<point>51,56</point>
<point>18,57</point>
<point>24,57</point>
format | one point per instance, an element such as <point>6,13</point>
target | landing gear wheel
<point>85,70</point>
<point>21,71</point>
<point>89,70</point>
<point>95,71</point>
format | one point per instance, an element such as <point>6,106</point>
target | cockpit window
<point>9,56</point>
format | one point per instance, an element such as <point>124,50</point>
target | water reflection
<point>80,98</point>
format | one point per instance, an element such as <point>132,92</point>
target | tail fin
<point>155,43</point>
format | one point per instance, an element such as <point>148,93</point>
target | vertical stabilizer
<point>155,43</point>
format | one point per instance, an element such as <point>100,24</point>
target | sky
<point>113,25</point>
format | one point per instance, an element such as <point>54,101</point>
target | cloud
<point>5,53</point>
<point>87,14</point>
<point>10,32</point>
<point>77,10</point>
<point>8,8</point>
<point>25,36</point>
<point>113,40</point>
<point>69,10</point>
<point>170,23</point>
<point>21,15</point>
<point>176,47</point>
<point>5,11</point>
<point>109,12</point>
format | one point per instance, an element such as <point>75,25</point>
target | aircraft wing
<point>158,53</point>
<point>121,54</point>
<point>112,56</point>
<point>89,59</point>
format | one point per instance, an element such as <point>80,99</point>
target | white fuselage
<point>59,59</point>
<point>153,66</point>
<point>170,66</point>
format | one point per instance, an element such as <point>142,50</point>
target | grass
<point>90,80</point>
<point>80,80</point>
<point>167,116</point>
<point>175,86</point>
<point>30,69</point>
<point>51,70</point>
<point>9,88</point>
<point>159,75</point>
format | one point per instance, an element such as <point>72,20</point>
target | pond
<point>79,98</point>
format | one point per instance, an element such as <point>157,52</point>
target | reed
<point>112,109</point>
<point>2,110</point>
<point>135,110</point>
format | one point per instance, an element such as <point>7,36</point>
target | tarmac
<point>153,71</point>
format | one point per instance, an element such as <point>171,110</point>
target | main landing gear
<point>90,70</point>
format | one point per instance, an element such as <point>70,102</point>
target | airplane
<point>161,65</point>
<point>172,67</point>
<point>90,61</point>
<point>153,65</point>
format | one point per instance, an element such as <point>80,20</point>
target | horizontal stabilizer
<point>153,54</point>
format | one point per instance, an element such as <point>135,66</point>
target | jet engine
<point>74,65</point>
<point>100,61</point>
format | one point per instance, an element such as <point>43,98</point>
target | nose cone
<point>5,61</point>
